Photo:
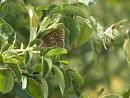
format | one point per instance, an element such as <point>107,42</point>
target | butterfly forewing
<point>54,38</point>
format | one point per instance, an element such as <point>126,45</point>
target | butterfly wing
<point>54,38</point>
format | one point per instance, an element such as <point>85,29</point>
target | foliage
<point>33,70</point>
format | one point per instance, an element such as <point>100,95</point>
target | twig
<point>23,72</point>
<point>17,50</point>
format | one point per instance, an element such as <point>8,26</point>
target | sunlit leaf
<point>33,22</point>
<point>41,11</point>
<point>44,24</point>
<point>11,61</point>
<point>49,23</point>
<point>56,51</point>
<point>64,62</point>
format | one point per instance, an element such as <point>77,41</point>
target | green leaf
<point>42,7</point>
<point>75,76</point>
<point>11,61</point>
<point>28,57</point>
<point>34,88</point>
<point>49,23</point>
<point>71,10</point>
<point>76,89</point>
<point>17,17</point>
<point>35,41</point>
<point>84,34</point>
<point>19,92</point>
<point>56,51</point>
<point>48,66</point>
<point>33,22</point>
<point>43,24</point>
<point>3,9</point>
<point>44,87</point>
<point>50,8</point>
<point>96,25</point>
<point>38,68</point>
<point>64,62</point>
<point>72,26</point>
<point>41,10</point>
<point>126,94</point>
<point>6,81</point>
<point>126,48</point>
<point>16,71</point>
<point>2,41</point>
<point>61,79</point>
<point>1,59</point>
<point>75,10</point>
<point>56,10</point>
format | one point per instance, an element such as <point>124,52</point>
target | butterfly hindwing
<point>54,38</point>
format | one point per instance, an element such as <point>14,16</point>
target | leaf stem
<point>17,50</point>
<point>20,51</point>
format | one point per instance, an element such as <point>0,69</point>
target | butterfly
<point>54,38</point>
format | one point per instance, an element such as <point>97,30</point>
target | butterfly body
<point>54,38</point>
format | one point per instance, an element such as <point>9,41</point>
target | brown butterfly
<point>54,38</point>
